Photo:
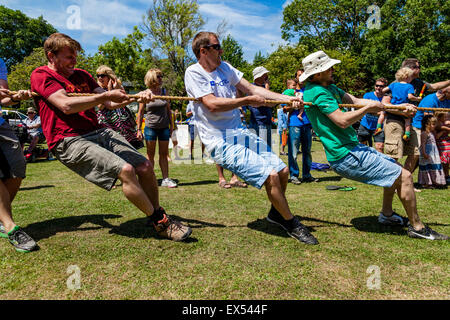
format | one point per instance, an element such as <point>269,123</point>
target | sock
<point>158,215</point>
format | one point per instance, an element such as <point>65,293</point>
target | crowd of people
<point>97,136</point>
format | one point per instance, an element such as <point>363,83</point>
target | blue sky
<point>254,24</point>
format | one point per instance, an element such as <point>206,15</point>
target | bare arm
<point>8,100</point>
<point>423,141</point>
<point>412,97</point>
<point>408,113</point>
<point>139,118</point>
<point>439,85</point>
<point>346,119</point>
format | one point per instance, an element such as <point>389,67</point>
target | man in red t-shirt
<point>75,137</point>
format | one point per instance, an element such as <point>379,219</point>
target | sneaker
<point>295,180</point>
<point>172,229</point>
<point>294,228</point>
<point>394,220</point>
<point>425,233</point>
<point>310,179</point>
<point>169,183</point>
<point>20,240</point>
<point>3,233</point>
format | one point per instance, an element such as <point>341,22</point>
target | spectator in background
<point>300,133</point>
<point>370,122</point>
<point>443,141</point>
<point>120,120</point>
<point>431,174</point>
<point>261,117</point>
<point>193,133</point>
<point>158,125</point>
<point>34,130</point>
<point>12,169</point>
<point>395,120</point>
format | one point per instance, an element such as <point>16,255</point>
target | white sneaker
<point>394,220</point>
<point>169,183</point>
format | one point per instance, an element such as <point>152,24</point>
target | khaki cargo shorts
<point>395,146</point>
<point>98,156</point>
<point>12,161</point>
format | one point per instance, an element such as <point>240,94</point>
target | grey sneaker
<point>295,180</point>
<point>425,233</point>
<point>20,240</point>
<point>394,220</point>
<point>172,229</point>
<point>3,233</point>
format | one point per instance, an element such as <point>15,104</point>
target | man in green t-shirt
<point>349,158</point>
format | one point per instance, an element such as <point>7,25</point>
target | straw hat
<point>316,62</point>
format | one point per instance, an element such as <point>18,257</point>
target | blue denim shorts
<point>247,156</point>
<point>365,164</point>
<point>156,134</point>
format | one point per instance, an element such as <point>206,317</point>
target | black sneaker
<point>20,240</point>
<point>293,227</point>
<point>425,233</point>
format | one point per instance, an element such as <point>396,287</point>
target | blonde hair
<point>58,41</point>
<point>151,78</point>
<point>403,74</point>
<point>110,73</point>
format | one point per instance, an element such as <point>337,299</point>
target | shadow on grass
<point>370,224</point>
<point>199,183</point>
<point>333,178</point>
<point>46,229</point>
<point>265,226</point>
<point>36,187</point>
<point>140,228</point>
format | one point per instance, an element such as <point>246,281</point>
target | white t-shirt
<point>212,126</point>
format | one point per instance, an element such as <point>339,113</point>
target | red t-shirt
<point>55,124</point>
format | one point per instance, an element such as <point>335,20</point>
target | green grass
<point>233,252</point>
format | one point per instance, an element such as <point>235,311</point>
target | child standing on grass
<point>443,141</point>
<point>402,92</point>
<point>431,174</point>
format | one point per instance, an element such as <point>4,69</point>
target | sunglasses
<point>379,86</point>
<point>216,46</point>
<point>101,75</point>
<point>159,77</point>
<point>416,67</point>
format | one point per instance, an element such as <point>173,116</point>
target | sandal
<point>239,184</point>
<point>224,184</point>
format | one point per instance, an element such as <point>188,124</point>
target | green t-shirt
<point>337,142</point>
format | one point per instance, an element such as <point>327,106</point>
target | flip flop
<point>344,188</point>
<point>239,184</point>
<point>224,184</point>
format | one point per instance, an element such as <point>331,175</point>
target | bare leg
<point>13,186</point>
<point>275,192</point>
<point>379,146</point>
<point>163,155</point>
<point>411,163</point>
<point>405,190</point>
<point>148,182</point>
<point>5,208</point>
<point>133,191</point>
<point>33,143</point>
<point>151,147</point>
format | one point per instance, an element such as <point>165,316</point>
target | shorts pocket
<point>391,147</point>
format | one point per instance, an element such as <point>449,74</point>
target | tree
<point>232,52</point>
<point>338,24</point>
<point>20,35</point>
<point>127,58</point>
<point>170,26</point>
<point>259,59</point>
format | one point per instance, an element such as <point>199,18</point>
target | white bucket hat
<point>315,63</point>
<point>259,72</point>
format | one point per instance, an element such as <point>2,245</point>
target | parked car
<point>13,117</point>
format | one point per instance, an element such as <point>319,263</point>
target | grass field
<point>233,252</point>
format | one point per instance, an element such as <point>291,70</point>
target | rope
<point>131,96</point>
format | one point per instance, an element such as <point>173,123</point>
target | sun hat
<point>259,72</point>
<point>315,63</point>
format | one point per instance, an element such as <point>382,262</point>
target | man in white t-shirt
<point>217,118</point>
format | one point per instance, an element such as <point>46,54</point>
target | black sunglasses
<point>379,86</point>
<point>216,46</point>
<point>101,75</point>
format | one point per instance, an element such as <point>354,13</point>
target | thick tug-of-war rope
<point>387,107</point>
